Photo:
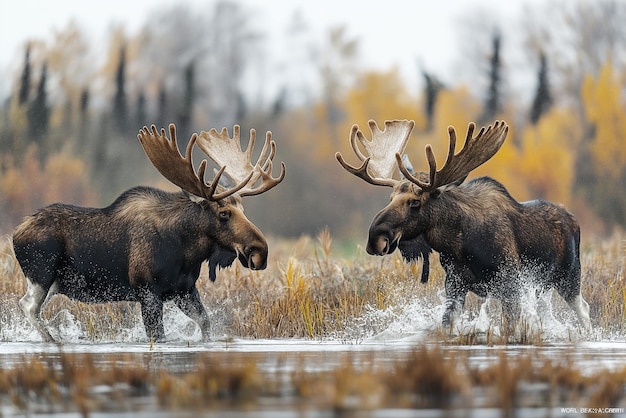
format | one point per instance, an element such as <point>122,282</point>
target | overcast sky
<point>391,32</point>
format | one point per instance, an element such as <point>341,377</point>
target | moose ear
<point>407,164</point>
<point>193,197</point>
<point>449,186</point>
<point>459,181</point>
<point>224,182</point>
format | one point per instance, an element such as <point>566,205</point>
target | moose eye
<point>414,203</point>
<point>224,215</point>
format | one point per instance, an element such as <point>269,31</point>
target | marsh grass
<point>425,378</point>
<point>308,291</point>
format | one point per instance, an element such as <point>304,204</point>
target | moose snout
<point>378,246</point>
<point>256,258</point>
<point>381,243</point>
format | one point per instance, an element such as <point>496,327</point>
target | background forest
<point>68,128</point>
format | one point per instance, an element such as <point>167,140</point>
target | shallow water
<point>283,358</point>
<point>407,329</point>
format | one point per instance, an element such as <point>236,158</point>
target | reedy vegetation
<point>311,290</point>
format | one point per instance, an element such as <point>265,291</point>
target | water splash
<point>543,314</point>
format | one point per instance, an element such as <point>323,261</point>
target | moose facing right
<point>489,243</point>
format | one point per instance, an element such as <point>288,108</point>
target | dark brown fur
<point>488,242</point>
<point>148,246</point>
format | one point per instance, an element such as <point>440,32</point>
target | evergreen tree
<point>24,90</point>
<point>543,99</point>
<point>84,120</point>
<point>84,103</point>
<point>38,112</point>
<point>431,91</point>
<point>120,107</point>
<point>493,103</point>
<point>184,116</point>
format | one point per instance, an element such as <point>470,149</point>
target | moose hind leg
<point>191,306</point>
<point>31,304</point>
<point>581,308</point>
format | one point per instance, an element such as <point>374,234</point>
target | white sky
<point>391,32</point>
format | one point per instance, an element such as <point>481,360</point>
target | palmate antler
<point>386,148</point>
<point>379,165</point>
<point>227,152</point>
<point>164,154</point>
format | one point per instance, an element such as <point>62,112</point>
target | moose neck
<point>468,209</point>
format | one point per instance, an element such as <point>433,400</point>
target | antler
<point>164,154</point>
<point>476,151</point>
<point>379,165</point>
<point>237,164</point>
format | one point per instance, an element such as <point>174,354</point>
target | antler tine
<point>355,133</point>
<point>263,170</point>
<point>267,181</point>
<point>380,163</point>
<point>476,151</point>
<point>167,159</point>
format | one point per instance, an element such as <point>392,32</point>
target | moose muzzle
<point>382,242</point>
<point>254,258</point>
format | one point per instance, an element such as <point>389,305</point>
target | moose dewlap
<point>148,245</point>
<point>487,241</point>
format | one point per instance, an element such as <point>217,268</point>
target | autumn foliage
<point>571,153</point>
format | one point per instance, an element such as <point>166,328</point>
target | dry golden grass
<point>311,291</point>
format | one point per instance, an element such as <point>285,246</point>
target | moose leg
<point>152,314</point>
<point>31,304</point>
<point>457,281</point>
<point>191,306</point>
<point>452,312</point>
<point>512,310</point>
<point>581,307</point>
<point>568,286</point>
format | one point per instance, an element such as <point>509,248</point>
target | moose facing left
<point>488,243</point>
<point>148,245</point>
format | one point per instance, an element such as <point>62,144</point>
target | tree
<point>579,37</point>
<point>39,113</point>
<point>120,105</point>
<point>432,86</point>
<point>337,65</point>
<point>71,68</point>
<point>162,106</point>
<point>493,101</point>
<point>83,106</point>
<point>186,110</point>
<point>605,149</point>
<point>24,88</point>
<point>543,99</point>
<point>141,117</point>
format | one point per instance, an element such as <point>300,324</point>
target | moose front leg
<point>458,278</point>
<point>152,314</point>
<point>191,306</point>
<point>512,310</point>
<point>454,306</point>
<point>456,290</point>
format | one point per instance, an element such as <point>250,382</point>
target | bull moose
<point>148,245</point>
<point>489,243</point>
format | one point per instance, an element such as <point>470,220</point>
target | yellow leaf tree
<point>604,109</point>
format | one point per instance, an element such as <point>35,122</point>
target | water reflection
<point>305,378</point>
